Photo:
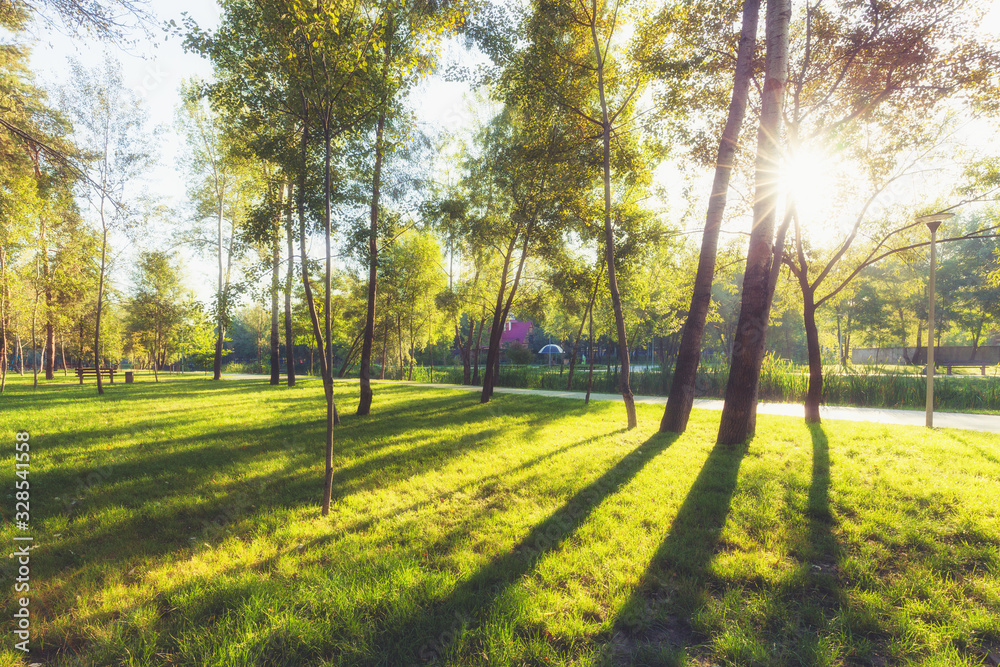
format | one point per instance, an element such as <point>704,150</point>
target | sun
<point>807,176</point>
<point>811,179</point>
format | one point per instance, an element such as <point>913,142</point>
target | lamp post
<point>932,222</point>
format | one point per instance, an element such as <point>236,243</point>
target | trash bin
<point>129,376</point>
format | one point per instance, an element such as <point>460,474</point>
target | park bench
<point>981,365</point>
<point>92,372</point>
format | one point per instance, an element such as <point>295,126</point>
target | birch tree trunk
<point>220,299</point>
<point>738,414</point>
<point>289,277</point>
<point>100,301</point>
<point>609,235</point>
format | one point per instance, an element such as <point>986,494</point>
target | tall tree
<point>158,307</point>
<point>739,413</point>
<point>216,192</point>
<point>855,96</point>
<point>682,387</point>
<point>109,127</point>
<point>577,62</point>
<point>410,37</point>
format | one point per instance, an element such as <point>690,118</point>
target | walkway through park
<point>960,420</point>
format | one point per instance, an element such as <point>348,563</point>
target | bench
<point>92,372</point>
<point>981,365</point>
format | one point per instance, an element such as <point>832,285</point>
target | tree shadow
<point>656,621</point>
<point>477,602</point>
<point>661,621</point>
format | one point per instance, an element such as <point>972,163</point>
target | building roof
<point>514,330</point>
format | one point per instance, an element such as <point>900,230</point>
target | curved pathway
<point>960,420</point>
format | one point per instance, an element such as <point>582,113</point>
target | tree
<point>35,184</point>
<point>571,62</point>
<point>158,307</point>
<point>521,186</point>
<point>109,129</point>
<point>973,302</point>
<point>682,387</point>
<point>411,277</point>
<point>220,189</point>
<point>864,85</point>
<point>739,413</point>
<point>410,37</point>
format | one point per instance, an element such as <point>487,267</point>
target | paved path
<point>969,422</point>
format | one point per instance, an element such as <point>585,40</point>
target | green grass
<point>178,524</point>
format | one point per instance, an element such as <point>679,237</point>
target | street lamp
<point>932,222</point>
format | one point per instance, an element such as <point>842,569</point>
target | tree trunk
<point>920,337</point>
<point>399,336</point>
<point>275,288</point>
<point>738,414</point>
<point>385,345</point>
<point>815,394</point>
<point>364,406</point>
<point>331,409</point>
<point>156,359</point>
<point>49,351</point>
<point>496,329</point>
<point>976,336</point>
<point>326,343</point>
<point>365,402</point>
<point>34,342</point>
<point>289,277</point>
<point>579,334</point>
<point>590,353</point>
<point>467,353</point>
<point>220,300</point>
<point>682,387</point>
<point>4,318</point>
<point>479,342</point>
<point>609,235</point>
<point>100,303</point>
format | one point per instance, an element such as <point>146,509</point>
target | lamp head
<point>934,221</point>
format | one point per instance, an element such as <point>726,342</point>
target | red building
<point>512,331</point>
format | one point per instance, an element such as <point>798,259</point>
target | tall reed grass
<point>780,382</point>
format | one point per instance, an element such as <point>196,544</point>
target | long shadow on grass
<point>415,638</point>
<point>658,618</point>
<point>234,595</point>
<point>148,481</point>
<point>661,618</point>
<point>818,549</point>
<point>487,481</point>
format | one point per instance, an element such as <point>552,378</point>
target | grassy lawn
<point>178,524</point>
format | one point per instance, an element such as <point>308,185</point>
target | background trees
<point>109,128</point>
<point>306,143</point>
<point>159,310</point>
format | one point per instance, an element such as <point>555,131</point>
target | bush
<point>519,353</point>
